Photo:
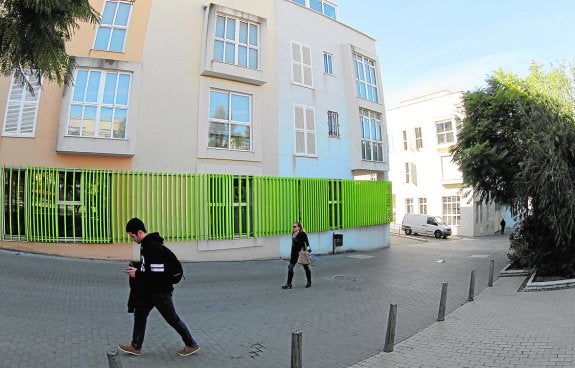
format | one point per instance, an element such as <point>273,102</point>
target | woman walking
<point>299,242</point>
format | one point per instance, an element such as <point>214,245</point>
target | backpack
<point>174,269</point>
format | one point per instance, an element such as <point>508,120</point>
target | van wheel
<point>438,234</point>
<point>407,231</point>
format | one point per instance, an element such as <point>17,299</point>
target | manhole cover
<point>347,278</point>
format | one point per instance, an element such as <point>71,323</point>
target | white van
<point>414,223</point>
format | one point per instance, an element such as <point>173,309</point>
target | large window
<point>451,210</point>
<point>304,126</point>
<point>301,64</point>
<point>445,132</point>
<point>365,78</point>
<point>99,105</point>
<point>22,107</point>
<point>230,120</point>
<point>320,6</point>
<point>449,169</point>
<point>236,42</point>
<point>371,139</point>
<point>111,35</point>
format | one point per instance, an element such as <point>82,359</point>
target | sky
<point>426,46</point>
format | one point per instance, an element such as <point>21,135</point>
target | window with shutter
<point>301,64</point>
<point>22,107</point>
<point>304,124</point>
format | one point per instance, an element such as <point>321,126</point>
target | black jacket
<point>299,242</point>
<point>151,277</point>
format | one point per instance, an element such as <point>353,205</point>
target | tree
<point>516,147</point>
<point>33,35</point>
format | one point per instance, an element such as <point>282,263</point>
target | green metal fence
<point>92,206</point>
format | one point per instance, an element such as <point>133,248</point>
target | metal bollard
<point>114,359</point>
<point>491,267</point>
<point>390,335</point>
<point>471,287</point>
<point>442,302</point>
<point>296,360</point>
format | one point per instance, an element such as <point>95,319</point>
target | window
<point>319,6</point>
<point>328,63</point>
<point>365,78</point>
<point>410,173</point>
<point>405,140</point>
<point>333,124</point>
<point>444,132</point>
<point>451,210</point>
<point>371,139</point>
<point>422,205</point>
<point>111,35</point>
<point>22,107</point>
<point>418,138</point>
<point>230,121</point>
<point>408,205</point>
<point>236,42</point>
<point>99,105</point>
<point>243,207</point>
<point>304,124</point>
<point>301,64</point>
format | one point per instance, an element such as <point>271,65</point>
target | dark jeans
<point>290,272</point>
<point>164,304</point>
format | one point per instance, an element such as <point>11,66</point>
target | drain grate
<point>348,278</point>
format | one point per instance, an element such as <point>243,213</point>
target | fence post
<point>114,359</point>
<point>491,267</point>
<point>442,302</point>
<point>296,360</point>
<point>471,287</point>
<point>390,335</point>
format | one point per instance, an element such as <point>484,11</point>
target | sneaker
<point>188,350</point>
<point>130,349</point>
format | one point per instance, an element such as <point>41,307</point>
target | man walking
<point>152,289</point>
<point>502,224</point>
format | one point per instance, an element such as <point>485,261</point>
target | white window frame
<point>236,41</point>
<point>422,205</point>
<point>365,78</point>
<point>229,122</point>
<point>22,105</point>
<point>301,64</point>
<point>418,137</point>
<point>328,63</point>
<point>114,27</point>
<point>373,121</point>
<point>408,205</point>
<point>99,104</point>
<point>306,130</point>
<point>445,136</point>
<point>451,210</point>
<point>405,140</point>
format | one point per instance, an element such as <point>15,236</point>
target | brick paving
<point>58,312</point>
<point>501,328</point>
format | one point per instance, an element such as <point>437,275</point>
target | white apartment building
<point>424,178</point>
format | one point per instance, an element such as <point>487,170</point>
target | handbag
<point>304,258</point>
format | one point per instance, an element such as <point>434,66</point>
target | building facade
<point>219,132</point>
<point>425,180</point>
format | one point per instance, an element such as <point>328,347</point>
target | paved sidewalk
<point>501,328</point>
